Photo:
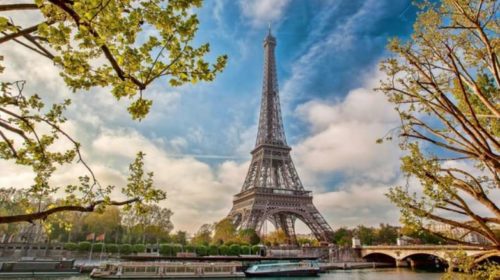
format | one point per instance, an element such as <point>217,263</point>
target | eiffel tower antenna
<point>272,189</point>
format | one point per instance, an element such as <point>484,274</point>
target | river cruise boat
<point>283,269</point>
<point>168,270</point>
<point>31,267</point>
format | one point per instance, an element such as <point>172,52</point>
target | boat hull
<point>29,274</point>
<point>285,273</point>
<point>205,276</point>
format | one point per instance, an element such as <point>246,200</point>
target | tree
<point>342,236</point>
<point>121,45</point>
<point>444,83</point>
<point>277,237</point>
<point>386,234</point>
<point>224,231</point>
<point>248,236</point>
<point>366,235</point>
<point>180,237</point>
<point>203,236</point>
<point>106,222</point>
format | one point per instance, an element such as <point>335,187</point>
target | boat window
<point>141,269</point>
<point>171,269</point>
<point>151,269</point>
<point>128,269</point>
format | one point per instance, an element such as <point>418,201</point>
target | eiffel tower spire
<point>272,189</point>
<point>270,123</point>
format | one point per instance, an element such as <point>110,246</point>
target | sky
<point>198,138</point>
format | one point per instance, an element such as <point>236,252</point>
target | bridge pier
<point>401,263</point>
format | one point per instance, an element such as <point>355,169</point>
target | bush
<point>213,250</point>
<point>223,250</point>
<point>234,250</point>
<point>111,248</point>
<point>70,246</point>
<point>201,250</point>
<point>189,248</point>
<point>97,247</point>
<point>125,249</point>
<point>139,248</point>
<point>84,246</point>
<point>166,249</point>
<point>256,250</point>
<point>176,248</point>
<point>245,250</point>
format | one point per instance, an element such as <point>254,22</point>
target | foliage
<point>97,247</point>
<point>342,236</point>
<point>213,250</point>
<point>139,248</point>
<point>112,248</point>
<point>126,249</point>
<point>466,267</point>
<point>120,45</point>
<point>423,236</point>
<point>176,248</point>
<point>203,236</point>
<point>70,246</point>
<point>165,249</point>
<point>150,224</point>
<point>180,237</point>
<point>84,246</point>
<point>276,237</point>
<point>256,249</point>
<point>189,248</point>
<point>224,231</point>
<point>444,83</point>
<point>223,250</point>
<point>201,250</point>
<point>248,236</point>
<point>234,250</point>
<point>246,250</point>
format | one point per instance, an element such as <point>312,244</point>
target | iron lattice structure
<point>272,189</point>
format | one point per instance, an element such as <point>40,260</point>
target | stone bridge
<point>404,255</point>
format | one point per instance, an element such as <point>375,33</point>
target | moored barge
<point>168,270</point>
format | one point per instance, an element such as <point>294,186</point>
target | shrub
<point>176,248</point>
<point>111,248</point>
<point>223,250</point>
<point>256,250</point>
<point>125,249</point>
<point>139,248</point>
<point>84,246</point>
<point>245,250</point>
<point>70,246</point>
<point>166,249</point>
<point>234,250</point>
<point>201,250</point>
<point>97,247</point>
<point>189,248</point>
<point>213,250</point>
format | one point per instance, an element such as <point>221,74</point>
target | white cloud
<point>344,134</point>
<point>263,12</point>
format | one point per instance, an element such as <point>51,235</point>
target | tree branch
<point>71,208</point>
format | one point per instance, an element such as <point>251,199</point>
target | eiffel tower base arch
<point>282,208</point>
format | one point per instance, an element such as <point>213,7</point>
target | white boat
<point>283,269</point>
<point>167,270</point>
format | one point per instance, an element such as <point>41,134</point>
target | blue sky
<point>359,31</point>
<point>198,137</point>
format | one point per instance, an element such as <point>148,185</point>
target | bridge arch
<point>380,257</point>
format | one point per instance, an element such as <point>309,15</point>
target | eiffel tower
<point>272,189</point>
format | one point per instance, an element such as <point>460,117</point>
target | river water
<point>357,274</point>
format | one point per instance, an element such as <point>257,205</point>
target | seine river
<point>359,274</point>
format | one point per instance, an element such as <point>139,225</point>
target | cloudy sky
<point>198,137</point>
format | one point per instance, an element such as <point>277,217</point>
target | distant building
<point>459,234</point>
